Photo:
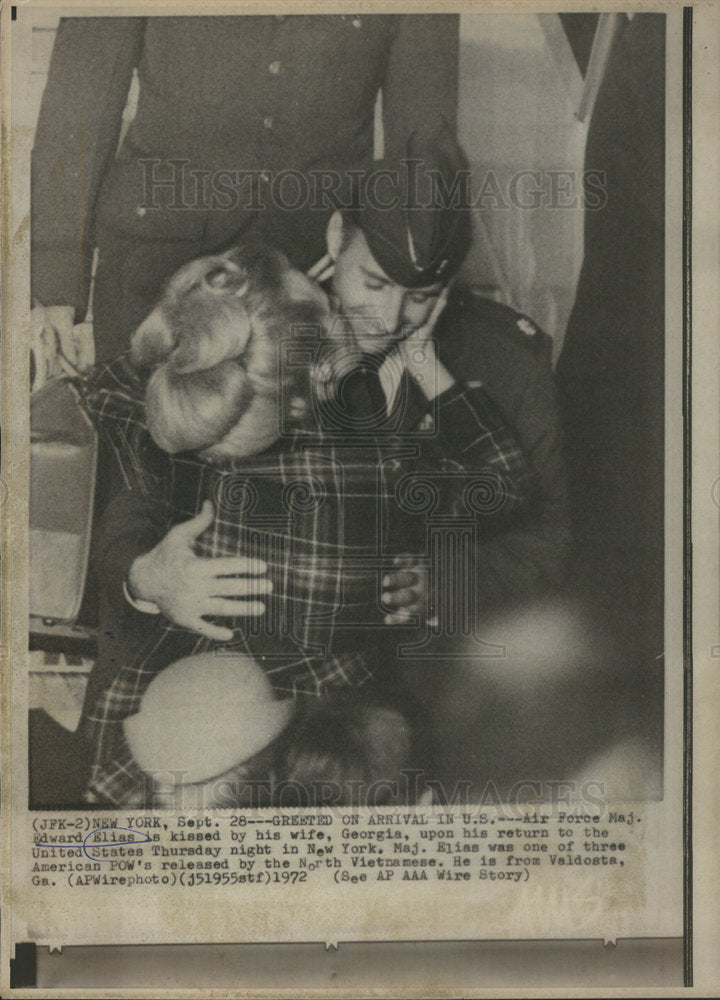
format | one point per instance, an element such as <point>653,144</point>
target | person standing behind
<point>611,369</point>
<point>234,113</point>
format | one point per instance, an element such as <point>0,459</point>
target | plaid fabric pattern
<point>325,514</point>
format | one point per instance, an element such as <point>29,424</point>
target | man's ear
<point>334,234</point>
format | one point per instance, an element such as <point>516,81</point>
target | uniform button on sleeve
<point>268,122</point>
<point>274,67</point>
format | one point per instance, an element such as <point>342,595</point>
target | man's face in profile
<point>378,311</point>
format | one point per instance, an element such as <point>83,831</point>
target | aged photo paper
<point>360,498</point>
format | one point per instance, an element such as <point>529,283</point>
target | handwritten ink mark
<point>143,838</point>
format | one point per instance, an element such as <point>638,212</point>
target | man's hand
<point>405,591</point>
<point>187,587</point>
<point>419,357</point>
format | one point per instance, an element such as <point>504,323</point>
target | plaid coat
<point>326,512</point>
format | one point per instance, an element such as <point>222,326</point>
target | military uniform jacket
<point>486,343</point>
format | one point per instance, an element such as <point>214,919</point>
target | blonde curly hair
<point>213,348</point>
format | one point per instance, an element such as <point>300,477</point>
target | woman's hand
<point>58,343</point>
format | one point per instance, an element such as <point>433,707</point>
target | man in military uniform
<point>227,107</point>
<point>391,267</point>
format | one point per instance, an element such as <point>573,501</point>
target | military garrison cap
<point>414,210</point>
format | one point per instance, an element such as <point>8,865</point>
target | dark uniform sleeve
<point>474,435</point>
<point>131,525</point>
<point>135,517</point>
<point>421,80</point>
<point>512,359</point>
<point>528,558</point>
<point>77,133</point>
